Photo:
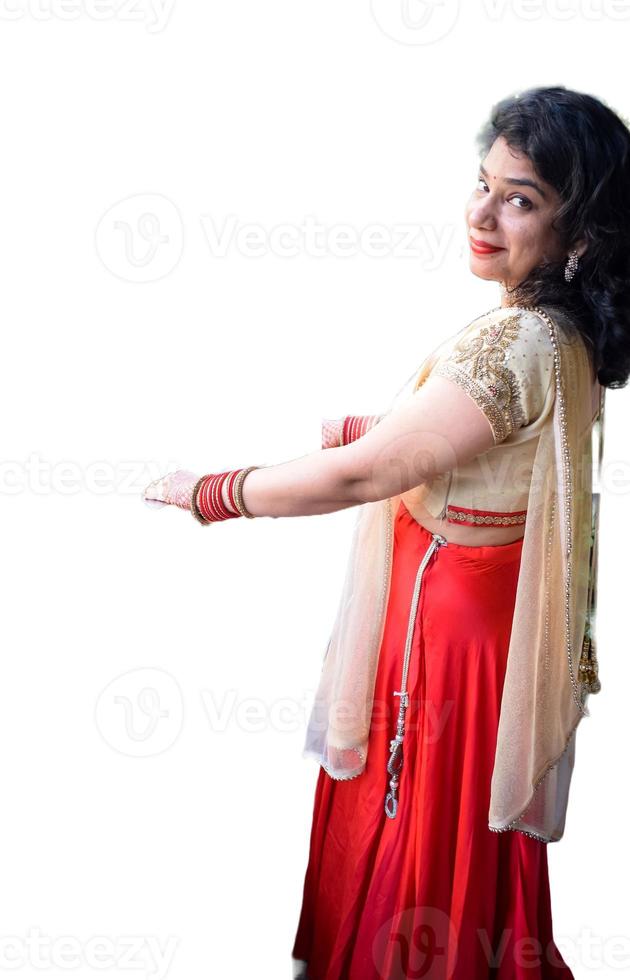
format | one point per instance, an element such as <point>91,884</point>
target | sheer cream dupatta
<point>338,727</point>
<point>545,692</point>
<point>543,697</point>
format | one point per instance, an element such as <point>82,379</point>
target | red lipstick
<point>483,248</point>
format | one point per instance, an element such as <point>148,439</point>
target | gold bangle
<point>194,509</point>
<point>238,494</point>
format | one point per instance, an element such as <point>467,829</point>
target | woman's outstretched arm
<point>437,428</point>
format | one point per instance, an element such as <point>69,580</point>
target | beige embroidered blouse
<point>504,361</point>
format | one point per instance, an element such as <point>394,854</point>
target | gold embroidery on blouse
<point>478,365</point>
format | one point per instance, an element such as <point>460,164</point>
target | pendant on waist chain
<point>395,762</point>
<point>396,756</point>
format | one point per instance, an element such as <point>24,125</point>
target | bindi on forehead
<point>519,181</point>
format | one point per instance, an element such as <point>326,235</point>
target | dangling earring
<point>571,266</point>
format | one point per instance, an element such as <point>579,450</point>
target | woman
<point>462,656</point>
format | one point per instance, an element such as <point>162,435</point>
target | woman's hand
<point>174,488</point>
<point>331,432</point>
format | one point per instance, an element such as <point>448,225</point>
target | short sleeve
<point>505,362</point>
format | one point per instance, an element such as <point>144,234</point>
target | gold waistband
<point>482,518</point>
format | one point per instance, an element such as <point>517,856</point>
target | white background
<point>134,343</point>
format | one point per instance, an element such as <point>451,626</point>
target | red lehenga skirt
<point>432,893</point>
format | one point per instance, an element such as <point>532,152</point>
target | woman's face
<point>506,210</point>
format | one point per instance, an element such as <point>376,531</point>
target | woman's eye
<point>524,207</point>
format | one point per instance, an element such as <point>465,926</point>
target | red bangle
<point>207,500</point>
<point>194,506</point>
<point>230,488</point>
<point>355,426</point>
<point>216,493</point>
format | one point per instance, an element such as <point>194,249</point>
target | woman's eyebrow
<point>518,180</point>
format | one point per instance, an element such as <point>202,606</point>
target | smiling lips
<point>483,248</point>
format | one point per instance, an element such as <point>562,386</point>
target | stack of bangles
<point>206,503</point>
<point>341,432</point>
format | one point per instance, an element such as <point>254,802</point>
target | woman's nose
<point>481,215</point>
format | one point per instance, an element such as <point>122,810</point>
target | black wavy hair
<point>581,147</point>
